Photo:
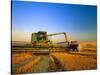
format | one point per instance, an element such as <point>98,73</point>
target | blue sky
<point>78,21</point>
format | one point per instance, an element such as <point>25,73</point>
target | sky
<point>78,21</point>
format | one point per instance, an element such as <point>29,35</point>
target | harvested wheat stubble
<point>27,67</point>
<point>17,58</point>
<point>76,62</point>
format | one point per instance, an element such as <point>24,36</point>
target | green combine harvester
<point>40,39</point>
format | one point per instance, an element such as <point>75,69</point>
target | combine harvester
<point>40,43</point>
<point>41,40</point>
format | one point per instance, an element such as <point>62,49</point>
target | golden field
<point>88,45</point>
<point>23,62</point>
<point>17,58</point>
<point>84,59</point>
<point>73,62</point>
<point>27,67</point>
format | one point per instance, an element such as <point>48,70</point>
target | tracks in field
<point>42,64</point>
<point>47,63</point>
<point>57,64</point>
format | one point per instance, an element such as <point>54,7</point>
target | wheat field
<point>73,62</point>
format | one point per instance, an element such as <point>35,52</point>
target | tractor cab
<point>73,46</point>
